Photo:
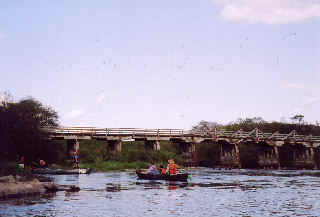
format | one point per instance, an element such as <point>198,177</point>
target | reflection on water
<point>210,193</point>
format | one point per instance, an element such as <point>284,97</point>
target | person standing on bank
<point>76,160</point>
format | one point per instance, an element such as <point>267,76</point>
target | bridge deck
<point>255,134</point>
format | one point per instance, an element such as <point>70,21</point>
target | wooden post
<point>237,154</point>
<point>277,155</point>
<point>114,146</point>
<point>152,144</point>
<point>313,157</point>
<point>156,145</point>
<point>188,153</point>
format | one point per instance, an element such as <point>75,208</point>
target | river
<point>210,192</point>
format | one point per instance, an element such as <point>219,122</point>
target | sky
<point>163,64</point>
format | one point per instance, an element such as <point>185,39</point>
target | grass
<point>96,155</point>
<point>103,166</point>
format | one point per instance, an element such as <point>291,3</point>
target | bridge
<point>304,149</point>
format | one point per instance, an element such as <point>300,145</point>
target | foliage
<point>20,131</point>
<point>249,124</point>
<point>206,126</point>
<point>298,118</point>
<point>95,152</point>
<point>114,165</point>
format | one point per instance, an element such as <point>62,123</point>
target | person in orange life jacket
<point>172,168</point>
<point>163,170</point>
<point>42,163</point>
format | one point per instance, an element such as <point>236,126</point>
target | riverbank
<point>104,166</point>
<point>16,182</point>
<point>20,186</point>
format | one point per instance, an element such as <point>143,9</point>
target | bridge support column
<point>230,155</point>
<point>237,151</point>
<point>188,153</point>
<point>277,156</point>
<point>268,157</point>
<point>152,144</point>
<point>313,157</point>
<point>114,146</point>
<point>310,158</point>
<point>72,146</point>
<point>303,157</point>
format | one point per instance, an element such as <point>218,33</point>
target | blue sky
<point>163,64</point>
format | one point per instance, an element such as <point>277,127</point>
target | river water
<point>210,192</point>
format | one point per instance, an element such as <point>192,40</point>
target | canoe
<point>182,177</point>
<point>60,171</point>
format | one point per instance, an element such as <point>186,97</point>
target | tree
<point>246,124</point>
<point>206,126</point>
<point>5,98</point>
<point>20,127</point>
<point>298,117</point>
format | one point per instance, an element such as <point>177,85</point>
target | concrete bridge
<point>274,148</point>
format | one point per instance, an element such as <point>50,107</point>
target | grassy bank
<point>114,165</point>
<point>96,155</point>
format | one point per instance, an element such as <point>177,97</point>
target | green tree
<point>20,127</point>
<point>298,117</point>
<point>206,126</point>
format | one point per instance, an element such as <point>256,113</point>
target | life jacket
<point>163,171</point>
<point>173,169</point>
<point>42,163</point>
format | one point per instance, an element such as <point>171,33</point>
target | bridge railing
<point>135,132</point>
<point>115,131</point>
<point>255,135</point>
<point>75,130</point>
<point>144,132</point>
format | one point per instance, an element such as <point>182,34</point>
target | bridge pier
<point>72,146</point>
<point>298,156</point>
<point>277,155</point>
<point>304,158</point>
<point>230,155</point>
<point>269,157</point>
<point>188,153</point>
<point>152,145</point>
<point>114,146</point>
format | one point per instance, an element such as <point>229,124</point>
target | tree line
<point>20,128</point>
<point>249,124</point>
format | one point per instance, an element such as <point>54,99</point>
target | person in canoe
<point>153,169</point>
<point>21,162</point>
<point>163,170</point>
<point>42,163</point>
<point>39,163</point>
<point>172,168</point>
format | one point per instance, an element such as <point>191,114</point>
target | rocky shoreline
<point>17,186</point>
